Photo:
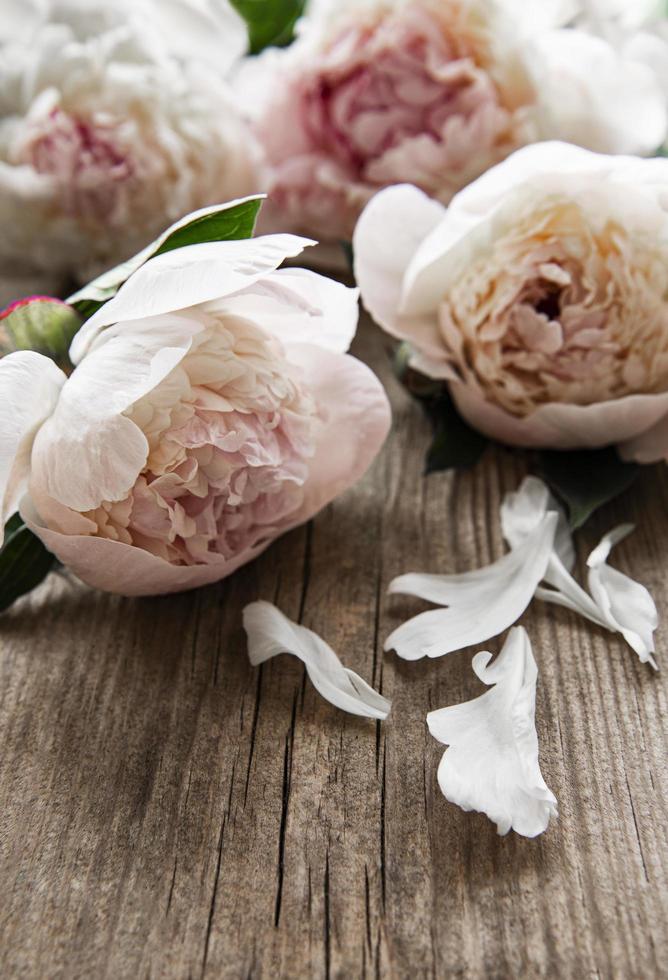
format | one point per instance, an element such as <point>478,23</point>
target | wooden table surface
<point>168,811</point>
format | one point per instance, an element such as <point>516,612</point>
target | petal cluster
<point>483,603</point>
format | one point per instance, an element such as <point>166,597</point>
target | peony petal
<point>271,633</point>
<point>298,306</point>
<point>202,30</point>
<point>627,605</point>
<point>491,765</point>
<point>30,385</point>
<point>111,280</point>
<point>593,96</point>
<point>482,603</point>
<point>648,447</point>
<point>187,277</point>
<point>388,233</point>
<point>521,511</point>
<point>357,418</point>
<point>565,591</point>
<point>124,569</point>
<point>563,426</point>
<point>88,451</point>
<point>19,19</point>
<point>452,241</point>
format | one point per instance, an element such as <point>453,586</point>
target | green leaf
<point>220,223</point>
<point>417,384</point>
<point>41,323</point>
<point>24,562</point>
<point>586,479</point>
<point>347,248</point>
<point>455,445</point>
<point>271,23</point>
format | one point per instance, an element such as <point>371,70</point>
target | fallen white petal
<point>31,386</point>
<point>522,509</point>
<point>565,591</point>
<point>481,603</point>
<point>626,605</point>
<point>270,633</point>
<point>491,764</point>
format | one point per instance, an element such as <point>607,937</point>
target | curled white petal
<point>481,604</point>
<point>270,633</point>
<point>491,764</point>
<point>626,605</point>
<point>31,385</point>
<point>192,275</point>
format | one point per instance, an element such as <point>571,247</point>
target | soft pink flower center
<point>360,111</point>
<point>231,432</point>
<point>85,159</point>
<point>407,97</point>
<point>559,312</point>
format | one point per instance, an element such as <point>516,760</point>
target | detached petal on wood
<point>492,763</point>
<point>625,604</point>
<point>481,603</point>
<point>270,633</point>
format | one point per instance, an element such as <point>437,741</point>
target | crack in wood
<point>287,766</point>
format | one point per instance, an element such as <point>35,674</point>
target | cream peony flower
<point>212,408</point>
<point>539,296</point>
<point>112,123</point>
<point>433,92</point>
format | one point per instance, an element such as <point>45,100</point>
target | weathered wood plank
<point>167,811</point>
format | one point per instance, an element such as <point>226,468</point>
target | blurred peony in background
<point>434,93</point>
<point>115,119</point>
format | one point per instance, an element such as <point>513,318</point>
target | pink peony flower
<point>212,408</point>
<point>424,91</point>
<point>539,295</point>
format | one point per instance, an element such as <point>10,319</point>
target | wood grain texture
<point>167,811</point>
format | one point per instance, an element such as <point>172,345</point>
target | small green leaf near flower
<point>455,444</point>
<point>24,562</point>
<point>223,222</point>
<point>586,479</point>
<point>271,23</point>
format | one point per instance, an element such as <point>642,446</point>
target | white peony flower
<point>483,603</point>
<point>539,295</point>
<point>112,124</point>
<point>212,408</point>
<point>492,763</point>
<point>270,633</point>
<point>637,31</point>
